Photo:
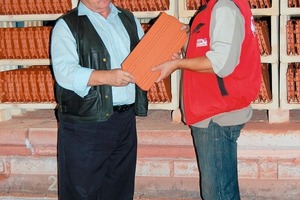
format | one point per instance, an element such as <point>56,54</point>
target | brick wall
<point>269,159</point>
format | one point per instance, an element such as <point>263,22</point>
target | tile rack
<point>278,59</point>
<point>287,13</point>
<point>284,104</point>
<point>9,109</point>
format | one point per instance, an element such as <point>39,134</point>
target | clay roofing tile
<point>157,46</point>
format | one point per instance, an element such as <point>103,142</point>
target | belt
<point>122,108</point>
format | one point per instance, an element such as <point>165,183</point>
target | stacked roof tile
<point>35,84</point>
<point>193,4</point>
<point>293,83</point>
<point>160,92</point>
<point>25,43</point>
<point>262,28</point>
<point>254,4</point>
<point>143,5</point>
<point>265,94</point>
<point>27,85</point>
<point>19,7</point>
<point>293,36</point>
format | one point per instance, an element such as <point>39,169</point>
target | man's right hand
<point>115,77</point>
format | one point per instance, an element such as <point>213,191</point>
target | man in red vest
<point>221,77</point>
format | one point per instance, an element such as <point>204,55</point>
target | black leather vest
<point>97,104</point>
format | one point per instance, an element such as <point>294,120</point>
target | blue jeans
<point>216,150</point>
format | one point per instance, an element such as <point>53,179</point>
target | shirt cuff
<point>80,83</point>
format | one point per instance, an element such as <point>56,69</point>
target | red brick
<point>154,167</point>
<point>5,169</point>
<point>43,141</point>
<point>166,151</point>
<point>33,165</point>
<point>186,168</point>
<point>165,137</point>
<point>42,136</point>
<point>289,169</point>
<point>29,185</point>
<point>12,137</point>
<point>9,150</point>
<point>248,168</point>
<point>268,169</point>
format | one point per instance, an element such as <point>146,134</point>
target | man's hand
<point>186,28</point>
<point>115,77</point>
<point>167,67</point>
<point>119,77</point>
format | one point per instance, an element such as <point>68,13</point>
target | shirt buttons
<point>106,96</point>
<point>104,59</point>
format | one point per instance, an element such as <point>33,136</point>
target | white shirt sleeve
<point>68,73</point>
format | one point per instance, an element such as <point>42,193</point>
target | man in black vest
<point>97,101</point>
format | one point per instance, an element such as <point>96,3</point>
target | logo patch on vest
<point>201,42</point>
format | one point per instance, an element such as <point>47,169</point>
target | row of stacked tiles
<point>36,84</point>
<point>293,36</point>
<point>33,42</point>
<point>293,83</point>
<point>11,7</point>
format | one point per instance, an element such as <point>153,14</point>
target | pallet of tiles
<point>290,86</point>
<point>267,97</point>
<point>267,29</point>
<point>27,7</point>
<point>12,10</point>
<point>290,39</point>
<point>27,85</point>
<point>25,43</point>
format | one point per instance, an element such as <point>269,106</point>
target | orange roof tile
<point>157,46</point>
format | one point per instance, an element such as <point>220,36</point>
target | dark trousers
<point>97,161</point>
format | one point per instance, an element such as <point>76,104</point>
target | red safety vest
<point>205,94</point>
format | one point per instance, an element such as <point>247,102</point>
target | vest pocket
<point>72,104</point>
